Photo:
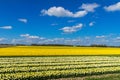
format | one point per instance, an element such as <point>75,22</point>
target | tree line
<point>92,45</point>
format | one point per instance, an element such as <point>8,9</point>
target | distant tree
<point>98,45</point>
<point>6,45</point>
<point>20,44</point>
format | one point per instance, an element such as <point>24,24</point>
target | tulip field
<point>58,67</point>
<point>59,63</point>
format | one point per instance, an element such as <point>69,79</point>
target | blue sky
<point>81,22</point>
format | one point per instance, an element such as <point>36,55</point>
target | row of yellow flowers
<point>56,50</point>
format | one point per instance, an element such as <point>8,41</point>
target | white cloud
<point>75,41</point>
<point>34,37</point>
<point>80,14</point>
<point>23,41</point>
<point>6,27</point>
<point>61,12</point>
<point>24,35</point>
<point>17,41</point>
<point>114,7</point>
<point>2,39</point>
<point>100,36</point>
<point>28,39</point>
<point>57,11</point>
<point>91,23</point>
<point>100,39</point>
<point>72,29</point>
<point>23,20</point>
<point>29,36</point>
<point>52,41</point>
<point>66,41</point>
<point>117,38</point>
<point>89,7</point>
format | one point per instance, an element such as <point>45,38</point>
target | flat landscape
<point>57,50</point>
<point>60,68</point>
<point>60,40</point>
<point>59,63</point>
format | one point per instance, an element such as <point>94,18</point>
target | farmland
<point>59,63</point>
<point>43,68</point>
<point>56,50</point>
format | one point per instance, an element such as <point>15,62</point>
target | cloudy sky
<point>79,22</point>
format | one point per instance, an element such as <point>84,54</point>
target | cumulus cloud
<point>71,29</point>
<point>6,27</point>
<point>61,12</point>
<point>91,23</point>
<point>80,14</point>
<point>100,39</point>
<point>114,7</point>
<point>28,39</point>
<point>89,7</point>
<point>29,36</point>
<point>75,41</point>
<point>23,20</point>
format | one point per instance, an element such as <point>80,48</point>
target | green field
<point>60,67</point>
